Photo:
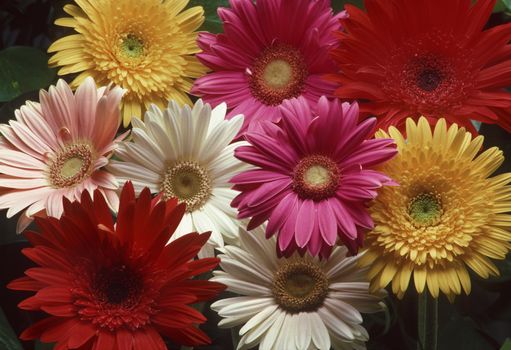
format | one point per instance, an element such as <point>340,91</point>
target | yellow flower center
<point>316,177</point>
<point>131,46</point>
<point>299,285</point>
<point>189,182</point>
<point>425,209</point>
<point>71,166</point>
<point>278,73</point>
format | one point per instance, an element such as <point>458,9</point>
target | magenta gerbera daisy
<point>270,51</point>
<point>315,175</point>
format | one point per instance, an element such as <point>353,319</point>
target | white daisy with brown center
<point>296,303</point>
<point>187,153</point>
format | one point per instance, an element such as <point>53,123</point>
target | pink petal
<point>305,223</point>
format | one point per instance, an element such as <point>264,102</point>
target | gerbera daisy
<point>447,213</point>
<point>147,47</point>
<point>188,154</point>
<point>116,286</point>
<point>295,303</point>
<point>270,51</point>
<point>57,149</point>
<point>426,57</point>
<point>315,176</point>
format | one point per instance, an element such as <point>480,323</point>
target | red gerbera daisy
<point>405,58</point>
<point>116,286</point>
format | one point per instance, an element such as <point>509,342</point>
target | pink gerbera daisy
<point>270,51</point>
<point>315,176</point>
<point>57,148</point>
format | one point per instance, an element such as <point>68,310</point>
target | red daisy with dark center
<point>404,58</point>
<point>116,286</point>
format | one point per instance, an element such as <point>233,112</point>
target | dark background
<point>481,321</point>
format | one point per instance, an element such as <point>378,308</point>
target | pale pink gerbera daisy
<point>315,176</point>
<point>56,148</point>
<point>270,51</point>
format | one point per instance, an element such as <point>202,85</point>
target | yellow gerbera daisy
<point>447,213</point>
<point>147,47</point>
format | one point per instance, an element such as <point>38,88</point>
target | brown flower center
<point>299,285</point>
<point>71,166</point>
<point>279,73</point>
<point>189,182</point>
<point>316,177</point>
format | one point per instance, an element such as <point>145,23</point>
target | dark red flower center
<point>118,285</point>
<point>430,75</point>
<point>278,73</point>
<point>316,177</point>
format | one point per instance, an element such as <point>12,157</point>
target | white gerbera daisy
<point>187,153</point>
<point>297,303</point>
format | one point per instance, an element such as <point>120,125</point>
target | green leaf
<point>8,340</point>
<point>338,5</point>
<point>212,24</point>
<point>502,5</point>
<point>23,69</point>
<point>506,345</point>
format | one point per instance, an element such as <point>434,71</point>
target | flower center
<point>118,285</point>
<point>71,166</point>
<point>299,286</point>
<point>189,182</point>
<point>132,46</point>
<point>316,177</point>
<point>425,209</point>
<point>279,73</point>
<point>428,72</point>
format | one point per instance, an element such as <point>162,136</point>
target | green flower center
<point>425,209</point>
<point>132,46</point>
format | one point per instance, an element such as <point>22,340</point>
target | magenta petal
<point>287,232</point>
<point>304,223</point>
<point>344,220</point>
<point>281,212</point>
<point>316,242</point>
<point>327,223</point>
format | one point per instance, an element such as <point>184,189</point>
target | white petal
<point>303,338</point>
<point>335,324</point>
<point>271,336</point>
<point>242,287</point>
<point>320,335</point>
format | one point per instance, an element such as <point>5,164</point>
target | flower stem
<point>427,322</point>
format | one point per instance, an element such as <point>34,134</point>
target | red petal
<point>105,340</point>
<point>26,283</point>
<point>124,339</point>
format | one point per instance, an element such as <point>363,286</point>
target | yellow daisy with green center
<point>447,213</point>
<point>146,47</point>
